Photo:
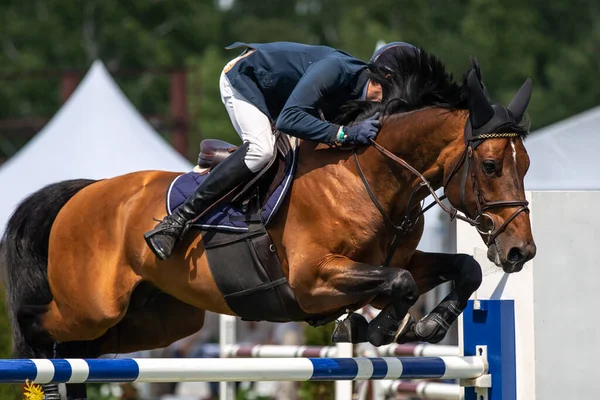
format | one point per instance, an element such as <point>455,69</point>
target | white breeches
<point>250,123</point>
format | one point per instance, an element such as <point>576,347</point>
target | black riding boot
<point>230,173</point>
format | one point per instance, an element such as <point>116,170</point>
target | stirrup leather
<point>186,227</point>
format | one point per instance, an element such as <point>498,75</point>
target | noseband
<point>482,204</point>
<point>409,220</point>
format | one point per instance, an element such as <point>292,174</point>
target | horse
<point>82,283</point>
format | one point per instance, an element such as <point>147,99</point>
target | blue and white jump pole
<point>237,370</point>
<point>486,341</point>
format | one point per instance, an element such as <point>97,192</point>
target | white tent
<point>97,134</point>
<point>564,155</point>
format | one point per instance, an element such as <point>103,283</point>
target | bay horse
<point>82,283</point>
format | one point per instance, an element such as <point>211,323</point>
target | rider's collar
<point>361,85</point>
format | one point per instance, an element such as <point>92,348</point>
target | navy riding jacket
<point>290,83</point>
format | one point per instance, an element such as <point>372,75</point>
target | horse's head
<point>482,173</point>
<point>486,182</point>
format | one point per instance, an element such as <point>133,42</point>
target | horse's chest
<point>404,251</point>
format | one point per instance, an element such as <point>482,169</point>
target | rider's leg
<point>254,128</point>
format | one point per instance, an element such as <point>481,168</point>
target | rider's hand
<point>362,132</point>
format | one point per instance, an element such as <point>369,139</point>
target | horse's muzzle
<point>517,256</point>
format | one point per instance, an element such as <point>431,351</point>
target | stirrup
<point>186,227</point>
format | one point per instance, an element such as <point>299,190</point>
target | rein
<point>408,222</point>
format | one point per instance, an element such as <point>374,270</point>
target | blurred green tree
<point>555,43</point>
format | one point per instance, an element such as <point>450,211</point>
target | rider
<point>284,82</point>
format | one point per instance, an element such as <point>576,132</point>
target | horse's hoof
<point>426,330</point>
<point>406,332</point>
<point>430,331</point>
<point>382,329</point>
<point>353,329</point>
<point>51,391</point>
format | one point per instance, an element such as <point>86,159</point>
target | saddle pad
<point>220,217</point>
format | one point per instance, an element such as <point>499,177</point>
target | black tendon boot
<point>230,173</point>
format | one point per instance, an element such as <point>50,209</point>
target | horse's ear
<point>519,103</point>
<point>477,68</point>
<point>480,109</point>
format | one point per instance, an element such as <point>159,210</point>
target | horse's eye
<point>489,166</point>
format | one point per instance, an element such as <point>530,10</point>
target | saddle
<point>265,182</point>
<point>212,152</point>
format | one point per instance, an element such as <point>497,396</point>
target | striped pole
<point>237,370</point>
<point>281,351</point>
<point>418,350</point>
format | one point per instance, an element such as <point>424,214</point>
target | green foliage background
<point>556,43</point>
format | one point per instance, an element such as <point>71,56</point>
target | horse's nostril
<point>515,255</point>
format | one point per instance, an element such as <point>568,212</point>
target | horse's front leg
<point>429,271</point>
<point>335,282</point>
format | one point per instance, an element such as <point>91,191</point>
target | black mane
<point>416,80</point>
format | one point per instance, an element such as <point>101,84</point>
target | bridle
<point>482,204</point>
<point>409,220</point>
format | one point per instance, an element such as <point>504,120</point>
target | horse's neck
<point>427,140</point>
<point>327,185</point>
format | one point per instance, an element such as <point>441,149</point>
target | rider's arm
<point>300,115</point>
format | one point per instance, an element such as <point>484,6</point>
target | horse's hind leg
<point>53,349</point>
<point>159,322</point>
<point>75,391</point>
<point>76,349</point>
<point>430,270</point>
<point>81,313</point>
<point>65,324</point>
